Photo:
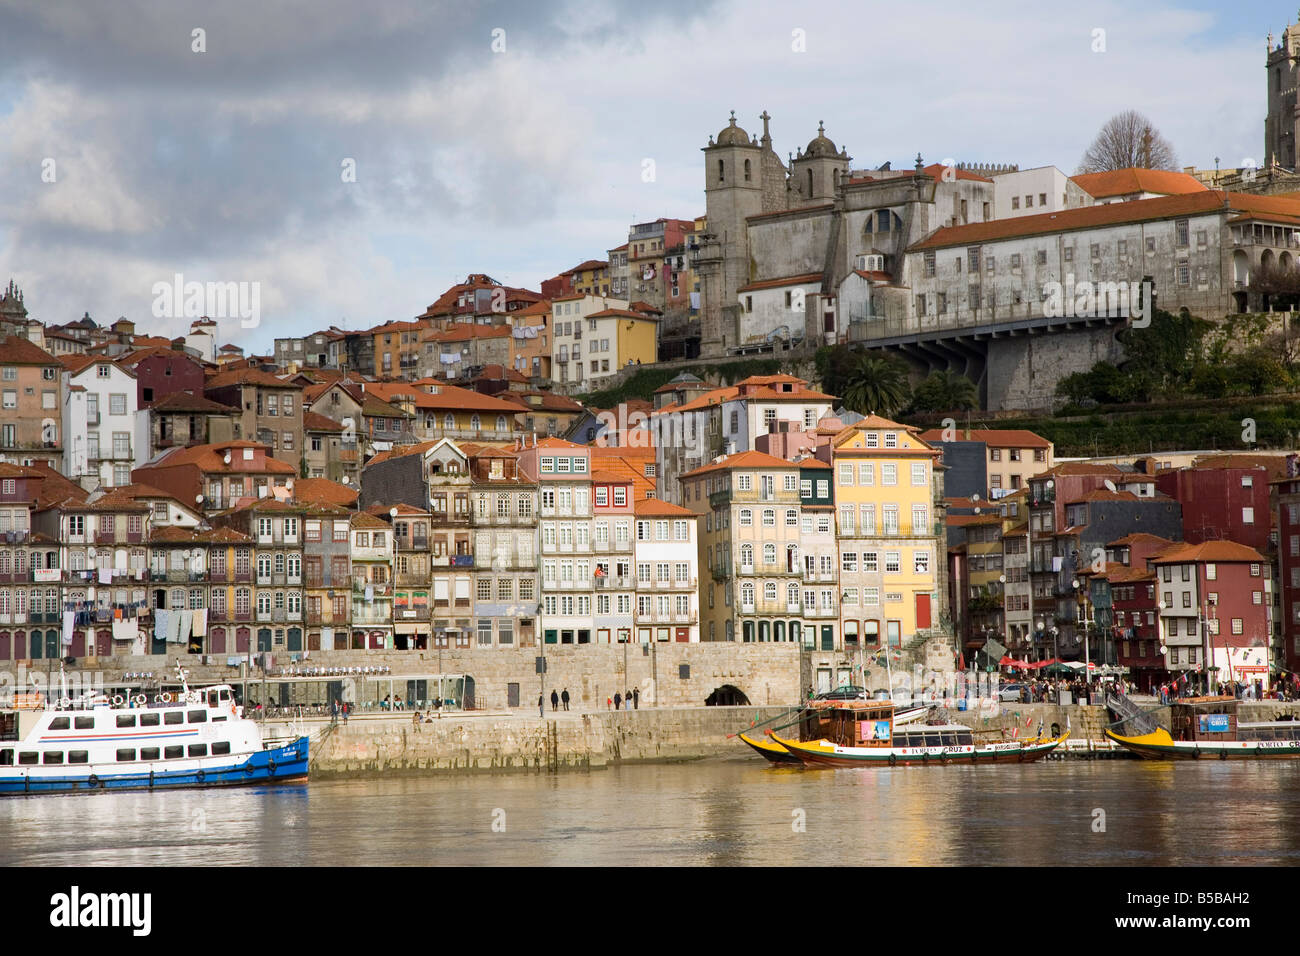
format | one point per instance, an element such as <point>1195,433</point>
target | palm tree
<point>945,391</point>
<point>877,383</point>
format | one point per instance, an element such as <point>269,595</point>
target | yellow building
<point>618,338</point>
<point>888,500</point>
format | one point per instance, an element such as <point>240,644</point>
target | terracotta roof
<point>1139,537</point>
<point>552,442</point>
<point>464,331</point>
<point>585,266</point>
<point>189,402</point>
<point>1109,214</point>
<point>210,458</point>
<point>997,437</point>
<point>621,314</point>
<point>616,468</point>
<point>744,459</point>
<point>248,376</point>
<point>449,397</point>
<point>364,519</point>
<point>496,372</point>
<point>1275,465</point>
<point>17,350</point>
<point>936,171</point>
<point>1216,551</point>
<point>1068,468</point>
<point>548,401</point>
<point>1123,182</point>
<point>78,363</point>
<point>656,508</point>
<point>313,422</point>
<point>376,407</point>
<point>322,491</point>
<point>171,534</point>
<point>805,279</point>
<point>401,451</point>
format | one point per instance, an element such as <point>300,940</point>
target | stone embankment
<point>584,741</point>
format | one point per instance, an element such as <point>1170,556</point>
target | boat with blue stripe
<point>194,738</point>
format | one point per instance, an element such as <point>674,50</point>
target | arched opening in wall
<point>727,696</point>
<point>746,170</point>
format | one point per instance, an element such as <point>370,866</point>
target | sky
<point>350,161</point>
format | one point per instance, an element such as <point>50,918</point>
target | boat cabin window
<point>28,757</point>
<point>78,756</point>
<point>933,740</point>
<point>198,750</point>
<point>221,748</point>
<point>126,754</point>
<point>950,740</point>
<point>212,698</point>
<point>149,753</point>
<point>84,723</point>
<point>60,723</point>
<point>149,720</point>
<point>219,717</point>
<point>7,757</point>
<point>126,720</point>
<point>174,717</point>
<point>965,740</point>
<point>53,756</point>
<point>172,753</point>
<point>198,716</point>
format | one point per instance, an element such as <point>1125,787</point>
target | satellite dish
<point>1051,483</point>
<point>1110,485</point>
<point>198,499</point>
<point>227,458</point>
<point>344,479</point>
<point>975,497</point>
<point>392,512</point>
<point>1163,649</point>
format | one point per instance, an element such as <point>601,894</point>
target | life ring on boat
<point>270,767</point>
<point>118,700</point>
<point>893,760</point>
<point>65,703</point>
<point>199,775</point>
<point>92,781</point>
<point>141,699</point>
<point>248,769</point>
<point>165,697</point>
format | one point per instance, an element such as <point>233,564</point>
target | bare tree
<point>1127,140</point>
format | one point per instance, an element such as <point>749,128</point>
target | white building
<point>667,573</point>
<point>1029,192</point>
<point>569,338</point>
<point>99,422</point>
<point>202,338</point>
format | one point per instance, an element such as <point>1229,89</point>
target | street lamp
<point>1208,648</point>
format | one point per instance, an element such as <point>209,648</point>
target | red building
<point>1221,503</point>
<point>1216,609</point>
<point>1135,624</point>
<point>162,372</point>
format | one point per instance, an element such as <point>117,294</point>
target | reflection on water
<point>734,811</point>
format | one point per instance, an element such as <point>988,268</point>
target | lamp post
<point>1208,647</point>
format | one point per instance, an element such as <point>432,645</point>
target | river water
<point>732,811</point>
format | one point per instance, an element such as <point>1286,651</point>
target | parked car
<point>1011,693</point>
<point>847,692</point>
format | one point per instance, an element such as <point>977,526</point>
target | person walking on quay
<point>565,698</point>
<point>416,721</point>
<point>541,707</point>
<point>636,698</point>
<point>618,701</point>
<point>347,708</point>
<point>334,712</point>
<point>555,700</point>
<point>609,703</point>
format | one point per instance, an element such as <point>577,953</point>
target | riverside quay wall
<point>665,675</point>
<point>565,741</point>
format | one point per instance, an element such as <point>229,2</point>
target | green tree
<point>945,391</point>
<point>877,383</point>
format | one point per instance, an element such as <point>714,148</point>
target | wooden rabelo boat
<point>867,734</point>
<point>810,728</point>
<point>1201,727</point>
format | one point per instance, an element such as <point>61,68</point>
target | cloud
<point>225,165</point>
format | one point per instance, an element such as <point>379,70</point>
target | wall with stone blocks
<point>566,742</point>
<point>765,673</point>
